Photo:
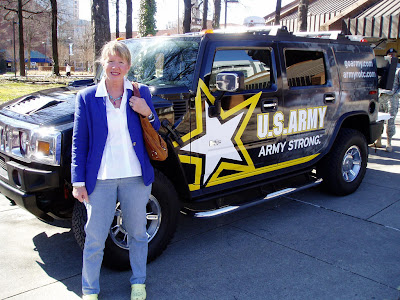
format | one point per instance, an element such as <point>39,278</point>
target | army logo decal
<point>215,144</point>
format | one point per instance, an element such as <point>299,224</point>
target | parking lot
<point>308,245</point>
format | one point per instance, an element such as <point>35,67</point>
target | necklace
<point>116,99</point>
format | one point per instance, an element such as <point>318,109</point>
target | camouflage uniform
<point>389,103</point>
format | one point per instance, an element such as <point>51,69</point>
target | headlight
<point>24,142</point>
<point>45,146</point>
<point>36,144</point>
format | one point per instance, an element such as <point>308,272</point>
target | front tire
<point>343,169</point>
<point>162,218</point>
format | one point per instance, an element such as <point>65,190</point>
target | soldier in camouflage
<point>389,103</point>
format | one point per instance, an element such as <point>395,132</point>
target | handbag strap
<point>136,91</point>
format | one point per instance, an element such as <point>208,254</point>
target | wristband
<point>151,117</point>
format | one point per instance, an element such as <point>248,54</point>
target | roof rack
<point>278,30</point>
<point>331,35</point>
<point>264,30</point>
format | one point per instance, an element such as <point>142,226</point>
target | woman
<point>110,162</point>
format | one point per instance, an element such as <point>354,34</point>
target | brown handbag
<point>155,145</point>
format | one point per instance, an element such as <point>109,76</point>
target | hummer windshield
<point>163,61</point>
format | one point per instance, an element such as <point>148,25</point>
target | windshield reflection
<point>163,61</point>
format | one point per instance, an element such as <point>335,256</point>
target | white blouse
<point>119,158</point>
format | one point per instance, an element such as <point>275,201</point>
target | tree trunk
<point>302,16</point>
<point>21,40</point>
<point>278,12</point>
<point>128,19</point>
<point>187,16</point>
<point>205,12</point>
<point>117,19</point>
<point>101,28</point>
<point>54,39</point>
<point>217,14</point>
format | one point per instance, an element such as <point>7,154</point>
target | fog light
<point>16,177</point>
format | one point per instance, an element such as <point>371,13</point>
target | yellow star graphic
<point>240,168</point>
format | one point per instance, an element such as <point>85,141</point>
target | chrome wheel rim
<point>118,233</point>
<point>351,165</point>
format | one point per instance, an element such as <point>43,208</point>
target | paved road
<point>306,246</point>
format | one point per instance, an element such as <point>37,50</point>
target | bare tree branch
<point>26,11</point>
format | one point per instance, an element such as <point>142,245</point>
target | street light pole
<point>178,17</point>
<point>226,11</point>
<point>15,68</point>
<point>226,7</point>
<point>45,52</point>
<point>70,53</point>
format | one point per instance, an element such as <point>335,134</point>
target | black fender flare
<point>358,120</point>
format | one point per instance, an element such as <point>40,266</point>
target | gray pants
<point>389,104</point>
<point>133,196</point>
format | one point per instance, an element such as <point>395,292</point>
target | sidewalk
<point>308,245</point>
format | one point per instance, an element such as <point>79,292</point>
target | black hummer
<point>247,116</point>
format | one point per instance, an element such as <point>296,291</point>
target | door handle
<point>268,105</point>
<point>329,98</point>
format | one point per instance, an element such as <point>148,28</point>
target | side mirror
<point>230,81</point>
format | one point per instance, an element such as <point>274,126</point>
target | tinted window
<point>254,63</point>
<point>305,68</point>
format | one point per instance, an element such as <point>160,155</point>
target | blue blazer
<point>90,135</point>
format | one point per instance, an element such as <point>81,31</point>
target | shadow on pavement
<point>61,257</point>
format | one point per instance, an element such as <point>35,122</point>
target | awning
<point>319,12</point>
<point>323,7</point>
<point>382,20</point>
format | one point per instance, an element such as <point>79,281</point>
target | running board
<point>235,208</point>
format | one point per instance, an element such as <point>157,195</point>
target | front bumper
<point>23,185</point>
<point>24,200</point>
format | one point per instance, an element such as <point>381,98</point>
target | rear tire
<point>343,169</point>
<point>162,218</point>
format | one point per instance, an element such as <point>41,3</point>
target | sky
<point>167,11</point>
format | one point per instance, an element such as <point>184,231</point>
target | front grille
<point>3,163</point>
<point>3,169</point>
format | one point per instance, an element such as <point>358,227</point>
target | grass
<point>13,87</point>
<point>10,90</point>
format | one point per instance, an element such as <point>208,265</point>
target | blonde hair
<point>115,48</point>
